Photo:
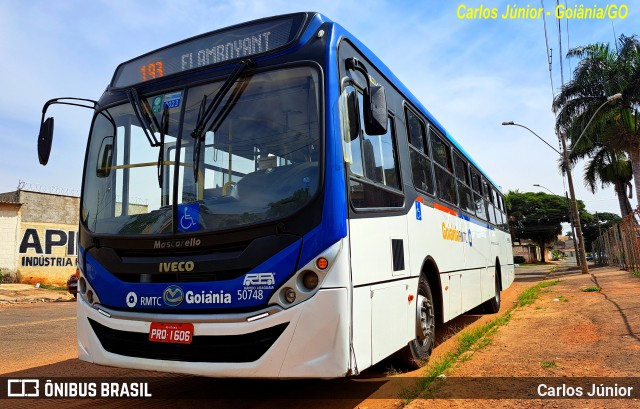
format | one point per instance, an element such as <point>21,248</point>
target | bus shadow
<point>455,326</point>
<point>186,390</point>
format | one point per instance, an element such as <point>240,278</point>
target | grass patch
<point>592,289</point>
<point>392,371</point>
<point>563,298</point>
<point>52,287</point>
<point>529,295</point>
<point>469,341</point>
<point>636,273</point>
<point>548,364</point>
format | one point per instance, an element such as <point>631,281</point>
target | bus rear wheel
<point>417,352</point>
<point>492,306</point>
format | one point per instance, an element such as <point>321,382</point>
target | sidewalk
<point>566,332</point>
<point>28,293</point>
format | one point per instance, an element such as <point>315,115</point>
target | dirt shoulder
<point>566,333</point>
<point>27,293</point>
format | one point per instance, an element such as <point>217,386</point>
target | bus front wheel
<point>417,352</point>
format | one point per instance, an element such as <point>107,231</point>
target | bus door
<point>378,241</point>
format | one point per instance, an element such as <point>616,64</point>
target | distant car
<point>72,284</point>
<point>589,257</point>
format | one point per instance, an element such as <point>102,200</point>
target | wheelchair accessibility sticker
<point>188,217</point>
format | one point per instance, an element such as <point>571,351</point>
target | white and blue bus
<point>269,201</point>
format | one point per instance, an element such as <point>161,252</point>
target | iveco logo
<point>173,296</point>
<point>176,266</point>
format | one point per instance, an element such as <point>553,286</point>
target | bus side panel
<point>380,291</point>
<point>482,257</point>
<point>506,262</point>
<point>425,230</point>
<point>388,327</point>
<point>320,343</point>
<point>370,240</point>
<point>362,326</point>
<point>473,267</point>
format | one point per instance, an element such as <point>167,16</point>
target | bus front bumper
<point>308,340</point>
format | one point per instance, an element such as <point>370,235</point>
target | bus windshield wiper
<point>164,128</point>
<point>142,109</point>
<point>205,114</point>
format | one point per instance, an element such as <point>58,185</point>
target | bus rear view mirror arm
<point>45,136</point>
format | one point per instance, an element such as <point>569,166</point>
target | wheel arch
<point>499,272</point>
<point>431,272</point>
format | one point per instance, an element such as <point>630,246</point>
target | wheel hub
<point>424,319</point>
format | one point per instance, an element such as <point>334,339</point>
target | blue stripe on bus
<point>333,226</point>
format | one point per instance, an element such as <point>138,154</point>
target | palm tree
<point>603,72</point>
<point>610,168</point>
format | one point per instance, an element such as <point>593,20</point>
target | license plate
<point>175,333</point>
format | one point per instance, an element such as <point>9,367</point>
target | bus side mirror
<point>105,157</point>
<point>376,115</point>
<point>45,138</point>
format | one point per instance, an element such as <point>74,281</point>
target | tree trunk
<point>541,245</point>
<point>634,154</point>
<point>621,191</point>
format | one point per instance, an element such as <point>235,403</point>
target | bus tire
<point>417,352</point>
<point>492,306</point>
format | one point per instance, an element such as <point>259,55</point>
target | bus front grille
<point>204,348</point>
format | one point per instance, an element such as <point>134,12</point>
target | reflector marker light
<point>322,263</point>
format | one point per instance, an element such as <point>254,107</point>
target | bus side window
<point>489,200</point>
<point>419,154</point>
<point>497,207</point>
<point>476,181</point>
<point>464,190</point>
<point>379,156</point>
<point>443,168</point>
<point>378,184</point>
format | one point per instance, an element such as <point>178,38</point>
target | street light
<point>546,188</point>
<point>567,168</point>
<point>574,204</point>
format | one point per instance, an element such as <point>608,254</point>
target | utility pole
<point>574,208</point>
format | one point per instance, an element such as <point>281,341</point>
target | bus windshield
<point>257,158</point>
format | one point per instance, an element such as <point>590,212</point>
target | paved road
<point>36,334</point>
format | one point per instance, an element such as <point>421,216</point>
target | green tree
<point>537,216</point>
<point>601,73</point>
<point>600,223</point>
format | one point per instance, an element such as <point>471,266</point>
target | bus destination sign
<point>213,48</point>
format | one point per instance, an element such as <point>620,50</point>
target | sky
<point>472,74</point>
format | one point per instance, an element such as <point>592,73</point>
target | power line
<point>568,43</point>
<point>560,46</point>
<point>549,53</point>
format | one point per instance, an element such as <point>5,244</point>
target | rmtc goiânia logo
<point>173,296</point>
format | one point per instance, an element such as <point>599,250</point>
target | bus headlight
<point>82,285</point>
<point>310,280</point>
<point>87,293</point>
